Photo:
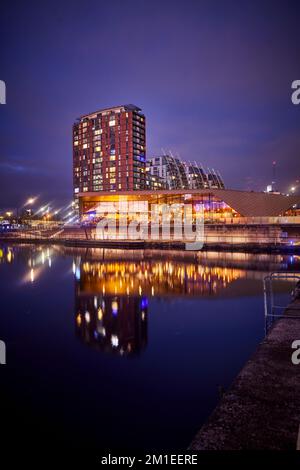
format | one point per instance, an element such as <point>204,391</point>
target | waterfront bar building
<point>219,205</point>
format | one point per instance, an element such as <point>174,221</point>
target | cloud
<point>15,166</point>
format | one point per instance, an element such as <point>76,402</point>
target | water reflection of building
<point>115,324</point>
<point>248,262</point>
<point>111,297</point>
<point>155,278</point>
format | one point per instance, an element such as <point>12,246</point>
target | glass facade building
<point>219,205</point>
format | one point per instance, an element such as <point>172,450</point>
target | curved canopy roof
<point>252,204</point>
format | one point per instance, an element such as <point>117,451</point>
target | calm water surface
<point>112,349</point>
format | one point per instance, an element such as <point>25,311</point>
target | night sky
<point>213,79</point>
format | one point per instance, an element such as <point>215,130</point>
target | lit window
<point>112,123</point>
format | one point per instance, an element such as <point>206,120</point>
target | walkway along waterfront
<point>261,410</point>
<point>250,238</point>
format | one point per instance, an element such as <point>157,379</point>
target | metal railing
<point>271,309</point>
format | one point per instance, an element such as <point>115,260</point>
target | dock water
<point>261,410</point>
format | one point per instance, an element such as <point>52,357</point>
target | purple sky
<point>213,79</point>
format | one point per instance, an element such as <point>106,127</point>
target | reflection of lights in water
<point>49,262</point>
<point>43,258</point>
<point>100,313</point>
<point>143,315</point>
<point>77,273</point>
<point>32,275</point>
<point>87,317</point>
<point>114,341</point>
<point>9,256</point>
<point>154,278</point>
<point>95,302</point>
<point>114,307</point>
<point>101,330</point>
<point>78,319</point>
<point>73,267</point>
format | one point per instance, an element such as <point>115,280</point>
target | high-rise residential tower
<point>109,150</point>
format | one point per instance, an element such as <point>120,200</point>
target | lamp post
<point>29,202</point>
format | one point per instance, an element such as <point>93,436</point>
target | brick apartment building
<point>109,150</point>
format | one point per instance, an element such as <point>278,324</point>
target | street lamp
<point>30,201</point>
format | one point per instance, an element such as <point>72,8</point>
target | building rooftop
<point>123,107</point>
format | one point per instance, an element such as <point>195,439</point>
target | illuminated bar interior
<point>213,207</point>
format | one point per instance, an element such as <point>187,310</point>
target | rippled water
<point>123,349</point>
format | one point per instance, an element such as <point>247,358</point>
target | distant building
<point>154,182</point>
<point>109,150</point>
<point>170,169</point>
<point>180,175</point>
